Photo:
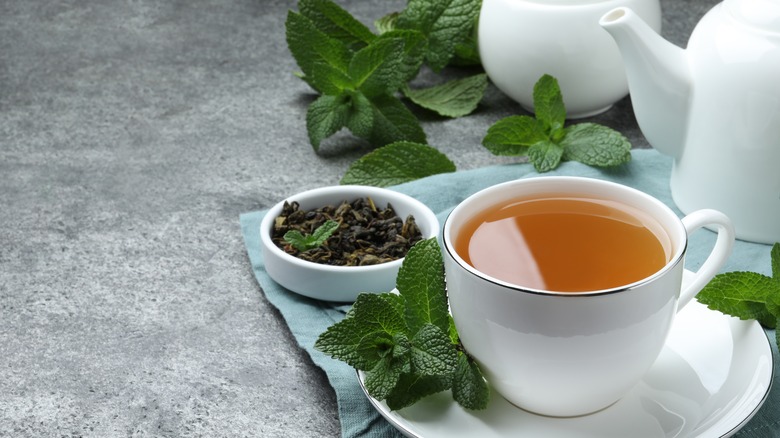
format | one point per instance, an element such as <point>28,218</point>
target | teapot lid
<point>761,14</point>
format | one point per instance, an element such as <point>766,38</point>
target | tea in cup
<point>564,288</point>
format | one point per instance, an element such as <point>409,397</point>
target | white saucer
<point>711,377</point>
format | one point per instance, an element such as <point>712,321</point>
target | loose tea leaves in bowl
<point>330,282</point>
<point>366,235</point>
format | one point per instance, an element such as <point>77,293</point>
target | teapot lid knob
<point>761,14</point>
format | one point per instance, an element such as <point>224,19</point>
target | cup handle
<point>720,252</point>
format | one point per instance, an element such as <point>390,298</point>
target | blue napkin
<point>649,171</point>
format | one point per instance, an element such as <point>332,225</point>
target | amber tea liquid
<point>564,244</point>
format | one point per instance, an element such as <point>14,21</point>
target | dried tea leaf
<point>364,234</point>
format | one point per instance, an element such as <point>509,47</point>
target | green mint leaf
<point>316,239</point>
<point>411,388</point>
<point>327,79</point>
<point>336,22</point>
<point>545,155</point>
<point>326,116</point>
<point>415,47</point>
<point>396,301</point>
<point>454,337</point>
<point>432,352</point>
<point>381,379</point>
<point>467,54</point>
<point>345,341</point>
<point>394,122</point>
<point>513,135</point>
<point>445,23</point>
<point>420,281</point>
<point>744,295</point>
<point>323,232</point>
<point>322,59</point>
<point>469,388</point>
<point>773,307</point>
<point>455,98</point>
<point>548,103</point>
<point>296,239</point>
<point>365,336</point>
<point>595,145</point>
<point>386,23</point>
<point>375,69</point>
<point>775,255</point>
<point>397,163</point>
<point>360,115</point>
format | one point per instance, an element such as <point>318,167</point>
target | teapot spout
<point>659,79</point>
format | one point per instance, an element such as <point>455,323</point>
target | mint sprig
<point>359,75</point>
<point>747,295</point>
<point>456,98</point>
<point>304,242</point>
<point>406,343</point>
<point>546,141</point>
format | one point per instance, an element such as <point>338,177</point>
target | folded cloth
<point>648,171</point>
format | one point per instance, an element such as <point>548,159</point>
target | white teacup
<point>563,353</point>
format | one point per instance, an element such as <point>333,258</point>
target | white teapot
<point>521,40</point>
<point>714,107</point>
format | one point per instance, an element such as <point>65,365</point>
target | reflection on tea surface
<point>564,244</point>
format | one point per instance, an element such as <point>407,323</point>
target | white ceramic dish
<point>710,379</point>
<point>340,283</point>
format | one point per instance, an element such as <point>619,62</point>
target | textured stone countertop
<point>132,136</point>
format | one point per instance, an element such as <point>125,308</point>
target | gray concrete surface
<point>132,135</point>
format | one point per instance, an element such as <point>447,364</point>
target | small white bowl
<point>340,283</point>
